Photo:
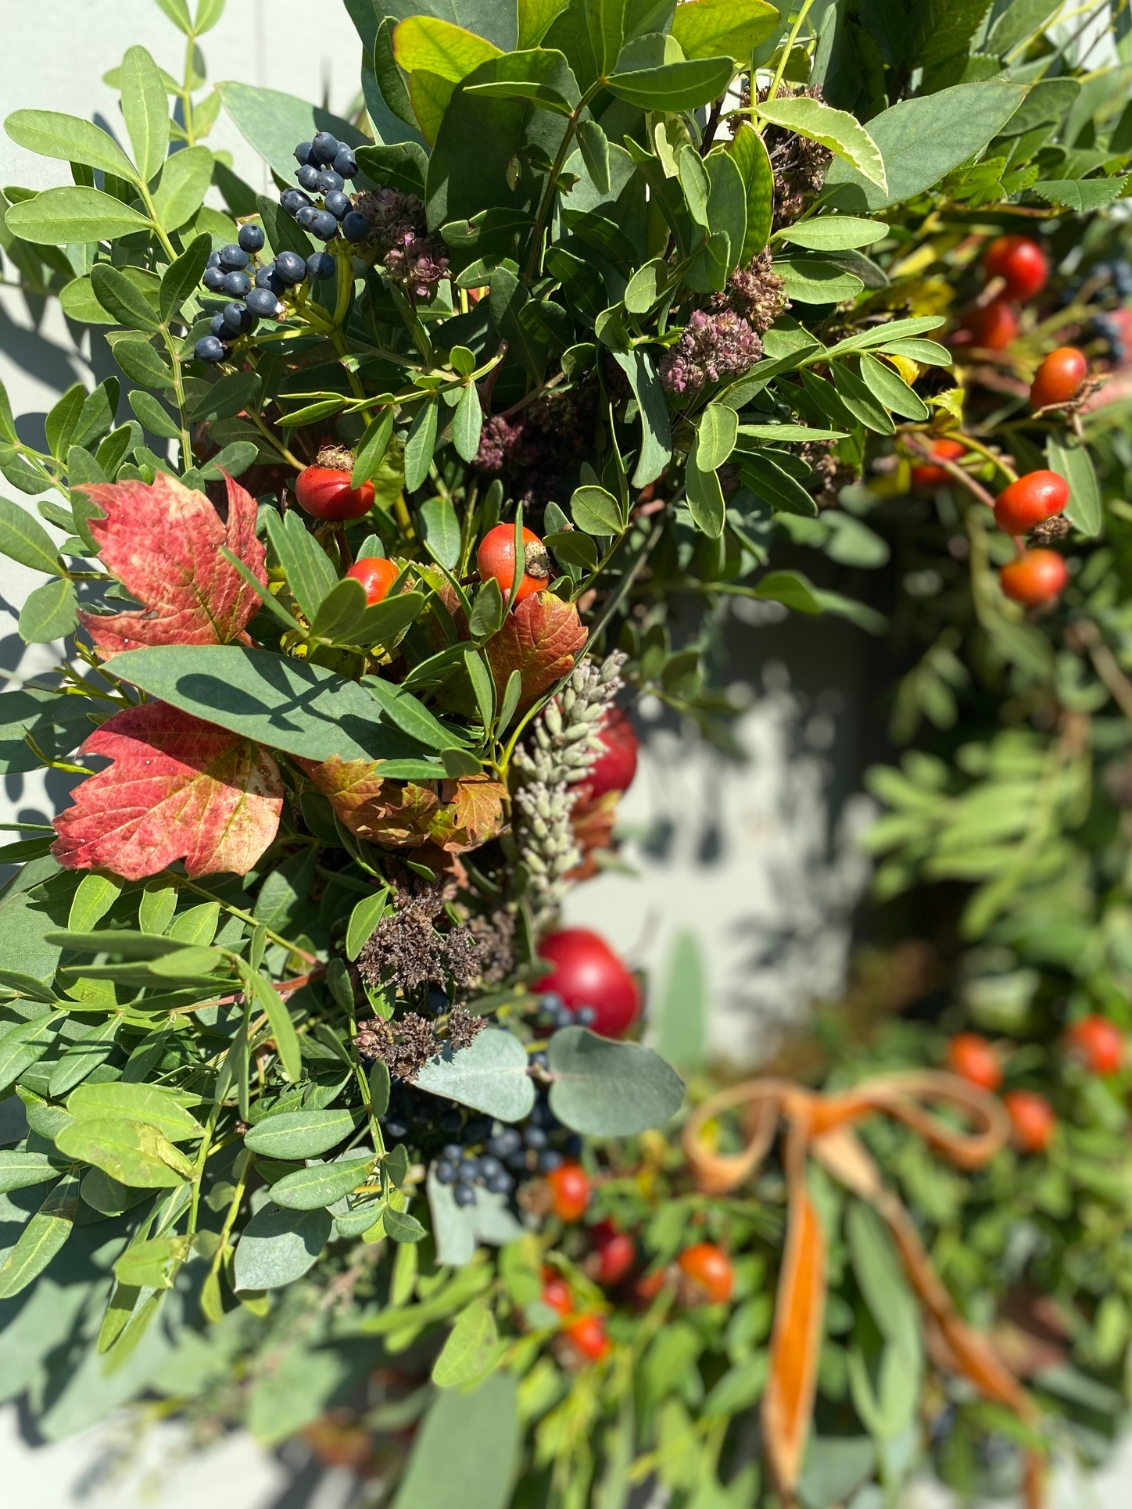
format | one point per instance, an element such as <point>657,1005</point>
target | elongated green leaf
<point>749,154</point>
<point>859,400</point>
<point>310,574</point>
<point>708,28</point>
<point>596,511</point>
<point>490,1076</point>
<point>21,1170</point>
<point>363,919</point>
<point>140,362</point>
<point>184,182</point>
<point>340,612</point>
<point>472,1348</point>
<point>92,1049</point>
<point>371,452</point>
<point>282,1027</point>
<point>841,132</point>
<point>810,281</point>
<point>410,714</point>
<point>656,428</point>
<point>301,1134</point>
<point>151,1105</point>
<point>673,86</point>
<point>1072,461</point>
<point>182,278</point>
<point>833,232</point>
<point>130,1151</point>
<point>541,75</point>
<point>782,491</point>
<point>704,495</point>
<point>467,424</point>
<point>442,527</point>
<point>69,138</point>
<point>145,109</point>
<point>24,539</point>
<point>58,216</point>
<point>607,1089</point>
<point>50,612</point>
<point>891,389</point>
<point>321,1184</point>
<point>153,415</point>
<point>41,1238</point>
<point>382,623</point>
<point>401,1227</point>
<point>480,1426</point>
<point>718,431</point>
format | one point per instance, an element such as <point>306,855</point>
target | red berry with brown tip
<point>325,492</point>
<point>1098,1043</point>
<point>1029,500</point>
<point>587,1336</point>
<point>1059,378</point>
<point>615,767</point>
<point>1020,262</point>
<point>496,558</point>
<point>556,1292</point>
<point>586,972</point>
<point>1036,577</point>
<point>569,1191</point>
<point>616,1253</point>
<point>926,475</point>
<point>376,575</point>
<point>709,1269</point>
<point>993,326</point>
<point>974,1059</point>
<point>1032,1118</point>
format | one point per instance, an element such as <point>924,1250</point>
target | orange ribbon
<point>820,1126</point>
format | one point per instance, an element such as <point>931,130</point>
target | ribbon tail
<point>798,1318</point>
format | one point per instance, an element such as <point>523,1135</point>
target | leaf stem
<point>235,911</point>
<point>788,49</point>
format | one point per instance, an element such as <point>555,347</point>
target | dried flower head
<point>833,473</point>
<point>399,239</point>
<point>1050,530</point>
<point>799,165</point>
<point>755,293</point>
<point>712,348</point>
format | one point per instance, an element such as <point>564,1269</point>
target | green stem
<point>785,58</point>
<point>260,424</point>
<point>534,261</point>
<point>186,93</point>
<point>198,1171</point>
<point>235,911</point>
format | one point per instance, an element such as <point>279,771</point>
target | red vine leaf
<point>477,806</point>
<point>540,640</point>
<point>179,788</point>
<point>162,541</point>
<point>405,815</point>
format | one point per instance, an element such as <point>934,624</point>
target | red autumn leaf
<point>179,788</point>
<point>405,815</point>
<point>477,806</point>
<point>540,640</point>
<point>162,542</point>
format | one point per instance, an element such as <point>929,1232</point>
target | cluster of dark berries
<point>324,165</point>
<point>1115,275</point>
<point>255,290</point>
<point>1103,327</point>
<point>464,1169</point>
<point>553,1012</point>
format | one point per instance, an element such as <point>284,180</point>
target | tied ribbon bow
<point>821,1126</point>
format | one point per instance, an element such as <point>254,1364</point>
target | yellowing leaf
<point>714,28</point>
<point>427,42</point>
<point>841,132</point>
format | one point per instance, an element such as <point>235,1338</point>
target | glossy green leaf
<point>833,232</point>
<point>153,415</point>
<point>58,216</point>
<point>596,511</point>
<point>185,179</point>
<point>540,75</point>
<point>363,919</point>
<point>41,1238</point>
<point>673,86</point>
<point>749,154</point>
<point>1071,460</point>
<point>24,539</point>
<point>442,528</point>
<point>273,122</point>
<point>472,1349</point>
<point>704,495</point>
<point>709,28</point>
<point>419,445</point>
<point>140,362</point>
<point>606,1089</point>
<point>426,42</point>
<point>891,389</point>
<point>718,431</point>
<point>860,400</point>
<point>132,1152</point>
<point>371,451</point>
<point>22,1170</point>
<point>153,1105</point>
<point>490,1076</point>
<point>320,1184</point>
<point>841,132</point>
<point>408,713</point>
<point>145,109</point>
<point>69,138</point>
<point>301,1134</point>
<point>340,612</point>
<point>467,424</point>
<point>782,491</point>
<point>481,1426</point>
<point>810,281</point>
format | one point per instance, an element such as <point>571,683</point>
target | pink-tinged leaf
<point>162,542</point>
<point>179,788</point>
<point>540,640</point>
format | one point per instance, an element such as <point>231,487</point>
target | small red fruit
<point>972,1058</point>
<point>615,767</point>
<point>927,475</point>
<point>1059,378</point>
<point>1029,500</point>
<point>993,326</point>
<point>1021,262</point>
<point>325,492</point>
<point>709,1268</point>
<point>1032,1118</point>
<point>588,973</point>
<point>616,1253</point>
<point>570,1191</point>
<point>376,576</point>
<point>1035,577</point>
<point>649,1285</point>
<point>1098,1042</point>
<point>587,1335</point>
<point>556,1292</point>
<point>496,558</point>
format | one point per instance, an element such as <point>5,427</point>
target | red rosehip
<point>569,1191</point>
<point>1032,1118</point>
<point>556,1292</point>
<point>1029,500</point>
<point>616,1252</point>
<point>496,558</point>
<point>1021,262</point>
<point>926,475</point>
<point>993,326</point>
<point>709,1268</point>
<point>649,1285</point>
<point>325,492</point>
<point>1098,1042</point>
<point>1059,377</point>
<point>1035,577</point>
<point>973,1058</point>
<point>615,767</point>
<point>587,972</point>
<point>376,575</point>
<point>587,1335</point>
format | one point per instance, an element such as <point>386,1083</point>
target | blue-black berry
<point>446,1172</point>
<point>337,203</point>
<point>500,1184</point>
<point>210,349</point>
<point>233,258</point>
<point>306,215</point>
<point>217,326</point>
<point>321,264</point>
<point>535,1137</point>
<point>549,1161</point>
<point>329,181</point>
<point>251,237</point>
<point>213,279</point>
<point>293,200</point>
<point>262,301</point>
<point>464,1194</point>
<point>308,177</point>
<point>324,225</point>
<point>290,267</point>
<point>213,259</point>
<point>355,226</point>
<point>585,1016</point>
<point>239,319</point>
<point>237,284</point>
<point>324,148</point>
<point>267,277</point>
<point>303,152</point>
<point>345,162</point>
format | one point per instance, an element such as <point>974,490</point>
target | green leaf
<point>363,919</point>
<point>891,389</point>
<point>490,1076</point>
<point>594,146</point>
<point>420,445</point>
<point>132,1152</point>
<point>486,617</point>
<point>181,280</point>
<point>69,138</point>
<point>272,122</point>
<point>656,429</point>
<point>24,539</point>
<point>21,1170</point>
<point>921,140</point>
<point>704,495</point>
<point>152,1264</point>
<point>310,574</point>
<point>178,13</point>
<point>25,1045</point>
<point>508,296</point>
<point>185,179</point>
<point>810,281</point>
<point>62,419</point>
<point>929,353</point>
<point>596,511</point>
<point>279,1020</point>
<point>1071,460</point>
<point>208,14</point>
<point>371,451</point>
<point>694,181</point>
<point>859,400</point>
<point>340,612</point>
<point>841,132</point>
<point>141,363</point>
<point>606,1089</point>
<point>58,216</point>
<point>41,1238</point>
<point>152,1105</point>
<point>1080,194</point>
<point>384,621</point>
<point>709,28</point>
<point>541,75</point>
<point>472,1349</point>
<point>145,109</point>
<point>428,43</point>
<point>673,86</point>
<point>279,1246</point>
<point>536,18</point>
<point>301,1134</point>
<point>467,424</point>
<point>122,942</point>
<point>882,335</point>
<point>321,1184</point>
<point>749,154</point>
<point>50,612</point>
<point>7,422</point>
<point>400,1227</point>
<point>718,431</point>
<point>92,1049</point>
<point>833,233</point>
<point>481,1427</point>
<point>442,528</point>
<point>727,202</point>
<point>410,714</point>
<point>153,415</point>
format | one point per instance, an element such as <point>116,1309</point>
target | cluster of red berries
<point>1019,267</point>
<point>1094,1041</point>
